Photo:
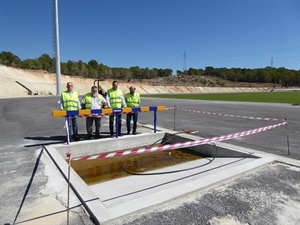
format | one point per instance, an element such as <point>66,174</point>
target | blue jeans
<point>73,126</point>
<point>134,117</point>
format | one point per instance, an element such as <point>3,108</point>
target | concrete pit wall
<point>110,202</point>
<point>210,150</point>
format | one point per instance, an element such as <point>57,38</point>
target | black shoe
<point>120,135</point>
<point>128,132</point>
<point>134,132</point>
<point>89,137</point>
<point>111,136</point>
<point>76,138</point>
<point>97,136</point>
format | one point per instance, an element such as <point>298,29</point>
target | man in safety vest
<point>69,101</point>
<point>132,99</point>
<point>93,100</point>
<point>115,99</point>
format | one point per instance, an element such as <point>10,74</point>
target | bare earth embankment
<point>18,82</point>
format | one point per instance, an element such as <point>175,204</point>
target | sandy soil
<point>17,82</point>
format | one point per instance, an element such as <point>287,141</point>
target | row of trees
<point>92,69</point>
<point>96,70</point>
<point>282,76</point>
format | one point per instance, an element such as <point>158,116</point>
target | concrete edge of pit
<point>106,215</point>
<point>91,200</point>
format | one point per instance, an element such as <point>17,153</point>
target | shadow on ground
<point>50,140</point>
<point>46,140</point>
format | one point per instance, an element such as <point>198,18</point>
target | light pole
<point>57,52</point>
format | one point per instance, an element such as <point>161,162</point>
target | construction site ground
<point>266,195</point>
<point>17,82</point>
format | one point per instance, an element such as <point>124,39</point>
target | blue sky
<point>155,33</point>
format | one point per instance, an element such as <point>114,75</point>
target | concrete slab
<point>266,195</point>
<point>119,197</point>
<point>141,192</point>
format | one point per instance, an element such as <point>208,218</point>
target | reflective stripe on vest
<point>132,101</point>
<point>88,100</point>
<point>115,98</point>
<point>70,102</point>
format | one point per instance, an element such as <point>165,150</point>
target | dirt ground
<point>18,82</point>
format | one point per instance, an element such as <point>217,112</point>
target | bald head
<point>70,86</point>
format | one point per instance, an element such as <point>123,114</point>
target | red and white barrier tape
<point>170,108</point>
<point>226,115</point>
<point>68,154</point>
<point>92,115</point>
<point>95,115</point>
<point>182,144</point>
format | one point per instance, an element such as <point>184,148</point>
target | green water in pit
<point>101,170</point>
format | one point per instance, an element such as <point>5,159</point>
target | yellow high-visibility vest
<point>88,100</point>
<point>115,98</point>
<point>70,102</point>
<point>132,101</point>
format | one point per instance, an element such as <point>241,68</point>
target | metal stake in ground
<point>287,136</point>
<point>69,167</point>
<point>174,115</point>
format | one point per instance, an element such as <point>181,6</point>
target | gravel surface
<point>269,195</point>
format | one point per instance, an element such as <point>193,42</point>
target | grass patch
<point>271,97</point>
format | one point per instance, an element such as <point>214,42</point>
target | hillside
<point>204,81</point>
<point>20,82</point>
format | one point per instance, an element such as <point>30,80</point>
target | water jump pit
<point>117,177</point>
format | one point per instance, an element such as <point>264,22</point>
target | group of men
<point>93,100</point>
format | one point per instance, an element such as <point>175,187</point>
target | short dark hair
<point>114,82</point>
